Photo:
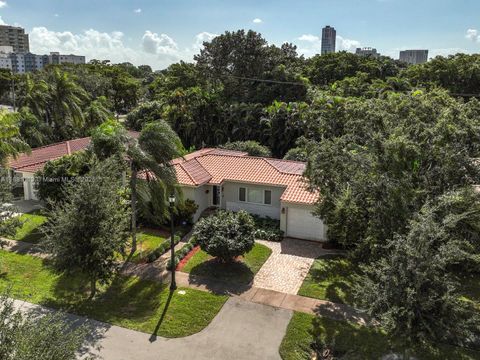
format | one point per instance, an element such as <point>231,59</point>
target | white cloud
<point>312,44</point>
<point>56,15</point>
<point>156,50</point>
<point>257,21</point>
<point>310,38</point>
<point>137,11</point>
<point>473,34</point>
<point>1,21</point>
<point>3,4</point>
<point>161,45</point>
<point>347,44</point>
<point>201,38</point>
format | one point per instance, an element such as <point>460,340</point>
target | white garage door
<point>301,224</point>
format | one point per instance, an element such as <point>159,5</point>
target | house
<point>234,181</point>
<point>26,165</point>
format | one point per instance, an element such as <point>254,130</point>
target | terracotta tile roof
<point>214,166</point>
<point>31,163</point>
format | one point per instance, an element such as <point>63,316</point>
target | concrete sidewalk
<point>272,298</point>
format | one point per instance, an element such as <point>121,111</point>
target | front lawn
<point>128,302</point>
<point>147,241</point>
<point>240,271</point>
<point>351,340</point>
<point>330,278</point>
<point>30,230</point>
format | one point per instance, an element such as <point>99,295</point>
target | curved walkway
<point>241,330</point>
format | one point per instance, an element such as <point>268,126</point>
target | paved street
<point>241,330</point>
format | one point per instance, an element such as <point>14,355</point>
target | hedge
<point>181,253</point>
<point>162,249</point>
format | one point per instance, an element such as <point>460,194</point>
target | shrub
<point>226,235</point>
<point>267,229</point>
<point>181,253</point>
<point>162,249</point>
<point>185,211</point>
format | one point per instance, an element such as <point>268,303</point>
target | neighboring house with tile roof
<point>232,180</point>
<point>26,165</point>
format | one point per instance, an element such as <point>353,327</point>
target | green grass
<point>128,302</point>
<point>330,278</point>
<point>147,241</point>
<point>350,340</point>
<point>30,230</point>
<point>241,271</point>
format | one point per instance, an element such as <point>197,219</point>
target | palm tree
<point>34,95</point>
<point>157,145</point>
<point>66,98</point>
<point>149,156</point>
<point>97,112</point>
<point>11,144</point>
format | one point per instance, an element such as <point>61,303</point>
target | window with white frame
<point>255,196</point>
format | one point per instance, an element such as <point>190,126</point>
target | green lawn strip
<point>330,278</point>
<point>358,341</point>
<point>30,230</point>
<point>128,302</point>
<point>147,241</point>
<point>240,271</point>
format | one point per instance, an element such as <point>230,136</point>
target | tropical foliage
<point>226,235</point>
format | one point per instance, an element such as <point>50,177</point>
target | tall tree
<point>90,227</point>
<point>66,99</point>
<point>413,291</point>
<point>11,143</point>
<point>148,156</point>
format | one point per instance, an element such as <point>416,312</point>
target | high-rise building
<point>22,63</point>
<point>414,56</point>
<point>367,51</point>
<point>329,38</point>
<point>15,37</point>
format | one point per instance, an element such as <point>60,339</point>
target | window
<point>242,194</point>
<point>255,196</point>
<point>268,197</point>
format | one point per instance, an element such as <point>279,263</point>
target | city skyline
<point>159,33</point>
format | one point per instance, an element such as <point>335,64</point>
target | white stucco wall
<point>230,200</point>
<point>28,186</point>
<point>200,197</point>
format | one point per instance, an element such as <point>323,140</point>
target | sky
<point>161,32</point>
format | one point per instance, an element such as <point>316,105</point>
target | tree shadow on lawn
<point>351,332</point>
<point>125,299</point>
<point>339,275</point>
<point>223,278</point>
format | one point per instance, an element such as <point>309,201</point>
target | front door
<point>216,195</point>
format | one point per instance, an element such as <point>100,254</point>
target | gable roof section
<point>31,163</point>
<point>214,166</point>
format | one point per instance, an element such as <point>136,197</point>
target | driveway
<point>288,265</point>
<point>241,330</point>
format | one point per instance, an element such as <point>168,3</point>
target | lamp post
<point>171,200</point>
